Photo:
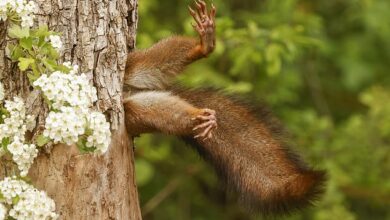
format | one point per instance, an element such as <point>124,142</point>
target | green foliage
<point>144,170</point>
<point>4,143</point>
<point>3,113</point>
<point>18,33</point>
<point>322,66</point>
<point>33,52</point>
<point>25,63</point>
<point>15,200</point>
<point>42,140</point>
<point>82,146</point>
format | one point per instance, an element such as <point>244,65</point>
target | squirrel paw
<point>205,25</point>
<point>208,123</point>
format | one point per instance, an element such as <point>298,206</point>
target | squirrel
<point>245,150</point>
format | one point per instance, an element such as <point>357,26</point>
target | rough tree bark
<point>97,36</point>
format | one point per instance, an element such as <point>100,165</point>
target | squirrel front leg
<point>155,67</point>
<point>153,111</point>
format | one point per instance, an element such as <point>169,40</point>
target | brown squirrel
<point>244,149</point>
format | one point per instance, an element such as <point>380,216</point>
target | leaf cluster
<point>33,52</point>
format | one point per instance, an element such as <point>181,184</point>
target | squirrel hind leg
<point>150,111</point>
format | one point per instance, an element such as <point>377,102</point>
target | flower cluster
<point>67,89</point>
<point>70,123</point>
<point>15,125</point>
<point>30,202</point>
<point>71,96</point>
<point>73,69</point>
<point>11,188</point>
<point>65,126</point>
<point>3,211</point>
<point>23,155</point>
<point>100,132</point>
<point>21,8</point>
<point>16,122</point>
<point>55,41</point>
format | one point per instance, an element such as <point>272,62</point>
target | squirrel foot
<point>205,25</point>
<point>208,123</point>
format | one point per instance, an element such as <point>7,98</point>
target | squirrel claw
<point>208,123</point>
<point>204,25</point>
<point>204,19</point>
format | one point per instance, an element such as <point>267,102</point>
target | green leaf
<point>272,55</point>
<point>32,77</point>
<point>88,132</point>
<point>15,200</point>
<point>53,54</point>
<point>41,41</point>
<point>26,179</point>
<point>35,73</point>
<point>48,51</point>
<point>81,144</point>
<point>50,64</point>
<point>16,53</point>
<point>26,43</point>
<point>24,63</point>
<point>274,67</point>
<point>42,140</point>
<point>5,142</point>
<point>62,68</point>
<point>18,32</point>
<point>42,31</point>
<point>4,112</point>
<point>35,70</point>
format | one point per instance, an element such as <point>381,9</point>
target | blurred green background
<point>322,67</point>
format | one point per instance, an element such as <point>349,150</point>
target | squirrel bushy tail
<point>244,149</point>
<point>251,159</point>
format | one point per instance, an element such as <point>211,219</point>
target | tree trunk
<point>97,36</point>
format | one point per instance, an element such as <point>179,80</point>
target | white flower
<point>67,89</point>
<point>22,8</point>
<point>11,187</point>
<point>3,4</point>
<point>73,69</point>
<point>100,129</point>
<point>71,96</point>
<point>31,7</point>
<point>14,125</point>
<point>27,21</point>
<point>1,89</point>
<point>65,126</point>
<point>3,210</point>
<point>32,204</point>
<point>55,41</point>
<point>23,155</point>
<point>69,123</point>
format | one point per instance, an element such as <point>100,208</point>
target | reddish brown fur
<point>143,108</point>
<point>251,160</point>
<point>246,150</point>
<point>161,62</point>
